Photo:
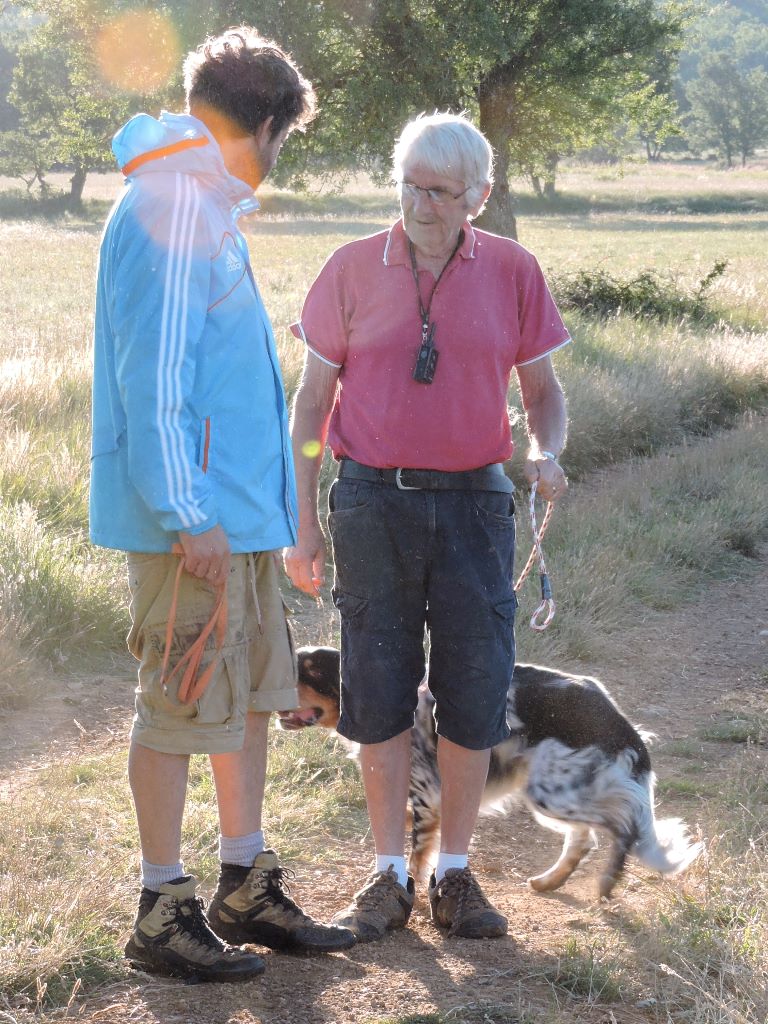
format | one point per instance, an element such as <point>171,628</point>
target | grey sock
<point>155,875</point>
<point>241,850</point>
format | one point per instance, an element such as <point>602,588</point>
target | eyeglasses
<point>438,196</point>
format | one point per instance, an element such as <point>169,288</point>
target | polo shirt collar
<point>396,245</point>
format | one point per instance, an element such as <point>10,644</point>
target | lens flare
<point>311,449</point>
<point>138,52</point>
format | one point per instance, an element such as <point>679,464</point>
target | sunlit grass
<point>648,539</point>
<point>690,949</point>
<point>57,594</point>
<point>629,543</point>
<point>632,386</point>
<point>68,855</point>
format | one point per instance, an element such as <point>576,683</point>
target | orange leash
<point>192,685</point>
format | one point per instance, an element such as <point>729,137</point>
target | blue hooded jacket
<point>190,426</point>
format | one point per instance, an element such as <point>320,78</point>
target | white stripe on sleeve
<point>173,339</point>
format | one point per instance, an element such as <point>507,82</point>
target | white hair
<point>448,145</point>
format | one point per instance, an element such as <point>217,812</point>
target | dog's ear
<point>327,662</point>
<point>318,667</point>
<point>307,668</point>
<point>311,663</point>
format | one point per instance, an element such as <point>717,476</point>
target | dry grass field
<point>659,568</point>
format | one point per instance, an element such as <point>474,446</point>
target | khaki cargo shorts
<point>257,670</point>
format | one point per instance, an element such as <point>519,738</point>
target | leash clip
<point>547,605</point>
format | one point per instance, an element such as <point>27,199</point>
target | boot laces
<point>376,893</point>
<point>463,887</point>
<point>278,889</point>
<point>190,918</point>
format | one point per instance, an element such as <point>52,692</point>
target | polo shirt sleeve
<point>542,330</point>
<point>324,316</point>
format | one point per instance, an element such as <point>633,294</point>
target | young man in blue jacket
<point>192,477</point>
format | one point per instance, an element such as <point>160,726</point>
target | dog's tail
<point>662,845</point>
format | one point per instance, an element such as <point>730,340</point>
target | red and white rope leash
<point>547,602</point>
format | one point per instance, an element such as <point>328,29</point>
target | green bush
<point>649,294</point>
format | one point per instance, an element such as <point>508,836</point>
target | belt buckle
<point>400,485</point>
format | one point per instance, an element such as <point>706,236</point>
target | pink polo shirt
<point>492,311</point>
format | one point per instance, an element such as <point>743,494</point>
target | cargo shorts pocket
<point>224,700</point>
<point>350,606</point>
<point>288,612</point>
<point>506,608</point>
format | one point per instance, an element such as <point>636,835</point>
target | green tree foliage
<point>28,156</point>
<point>541,76</point>
<point>729,107</point>
<point>538,74</point>
<point>737,29</point>
<point>653,116</point>
<point>9,117</point>
<point>68,111</point>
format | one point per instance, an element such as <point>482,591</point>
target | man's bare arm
<point>546,421</point>
<point>305,563</point>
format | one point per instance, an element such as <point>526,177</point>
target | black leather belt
<point>487,478</point>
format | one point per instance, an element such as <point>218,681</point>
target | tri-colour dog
<point>572,758</point>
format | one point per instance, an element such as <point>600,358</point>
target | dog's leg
<point>622,844</point>
<point>579,841</point>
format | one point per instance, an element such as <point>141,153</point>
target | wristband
<point>548,455</point>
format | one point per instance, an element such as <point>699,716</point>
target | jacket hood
<point>177,143</point>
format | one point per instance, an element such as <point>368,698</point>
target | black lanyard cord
<point>424,312</point>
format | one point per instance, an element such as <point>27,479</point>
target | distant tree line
<point>544,78</point>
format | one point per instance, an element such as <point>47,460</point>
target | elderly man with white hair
<point>411,337</point>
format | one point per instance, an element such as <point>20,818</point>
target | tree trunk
<point>77,184</point>
<point>496,125</point>
<point>550,173</point>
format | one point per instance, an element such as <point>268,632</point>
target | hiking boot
<point>171,937</point>
<point>381,905</point>
<point>458,904</point>
<point>252,905</point>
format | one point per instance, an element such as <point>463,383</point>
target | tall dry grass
<point>698,949</point>
<point>632,387</point>
<point>635,539</point>
<point>68,851</point>
<point>649,536</point>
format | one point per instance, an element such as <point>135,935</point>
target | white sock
<point>155,875</point>
<point>242,850</point>
<point>445,861</point>
<point>397,863</point>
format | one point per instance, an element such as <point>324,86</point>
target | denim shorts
<point>407,561</point>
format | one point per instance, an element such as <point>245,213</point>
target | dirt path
<point>677,674</point>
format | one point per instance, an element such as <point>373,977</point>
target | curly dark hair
<point>249,78</point>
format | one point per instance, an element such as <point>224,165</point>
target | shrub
<point>649,294</point>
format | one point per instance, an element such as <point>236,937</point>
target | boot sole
<point>192,975</point>
<point>237,936</point>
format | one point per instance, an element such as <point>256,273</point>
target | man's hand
<point>549,476</point>
<point>305,563</point>
<point>207,555</point>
